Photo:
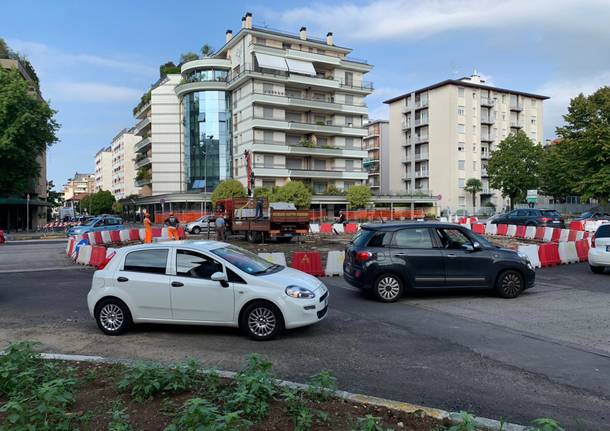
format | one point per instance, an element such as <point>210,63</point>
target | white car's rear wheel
<point>262,321</point>
<point>196,230</point>
<point>113,317</point>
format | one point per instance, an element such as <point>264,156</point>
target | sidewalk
<point>24,236</point>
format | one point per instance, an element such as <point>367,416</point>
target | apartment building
<point>103,169</point>
<point>159,151</point>
<point>270,107</point>
<point>443,134</point>
<point>77,187</point>
<point>124,163</point>
<point>376,143</point>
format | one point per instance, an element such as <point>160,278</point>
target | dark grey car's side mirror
<point>476,246</point>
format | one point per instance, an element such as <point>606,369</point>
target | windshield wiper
<point>267,270</point>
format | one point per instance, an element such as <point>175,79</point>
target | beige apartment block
<point>78,186</point>
<point>376,143</point>
<point>124,164</point>
<point>159,158</point>
<point>290,104</point>
<point>443,134</point>
<point>103,169</point>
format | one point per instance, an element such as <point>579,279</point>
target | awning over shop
<point>271,62</point>
<point>21,201</point>
<point>300,66</point>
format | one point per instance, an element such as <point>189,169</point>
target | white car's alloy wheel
<point>262,322</point>
<point>111,317</point>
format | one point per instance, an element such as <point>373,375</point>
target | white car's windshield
<point>91,222</point>
<point>246,261</point>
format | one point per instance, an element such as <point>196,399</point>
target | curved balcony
<point>142,145</point>
<point>308,103</point>
<point>190,87</point>
<point>143,162</point>
<point>304,127</point>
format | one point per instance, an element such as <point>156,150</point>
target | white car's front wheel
<point>196,230</point>
<point>113,317</point>
<point>262,321</point>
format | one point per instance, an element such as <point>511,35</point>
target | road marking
<point>55,268</point>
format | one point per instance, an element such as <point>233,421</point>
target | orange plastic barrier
<point>582,249</point>
<point>539,233</point>
<point>572,235</point>
<point>98,255</point>
<point>71,242</point>
<point>326,228</point>
<point>478,228</point>
<point>577,225</point>
<point>156,232</point>
<point>308,261</point>
<point>520,231</point>
<point>115,236</point>
<point>181,233</point>
<point>549,254</point>
<point>556,235</point>
<point>183,216</point>
<point>98,237</point>
<point>134,235</point>
<point>502,229</point>
<point>351,228</point>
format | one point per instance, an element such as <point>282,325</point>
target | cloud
<point>91,92</point>
<point>44,56</point>
<point>562,91</point>
<point>416,19</point>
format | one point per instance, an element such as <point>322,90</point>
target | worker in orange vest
<point>172,223</point>
<point>147,229</point>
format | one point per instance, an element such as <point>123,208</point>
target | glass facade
<point>207,139</point>
<point>207,75</point>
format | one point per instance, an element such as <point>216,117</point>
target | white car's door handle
<point>451,255</point>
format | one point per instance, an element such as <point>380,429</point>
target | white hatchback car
<point>599,253</point>
<point>200,225</point>
<point>203,283</point>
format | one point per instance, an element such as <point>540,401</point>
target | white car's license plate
<point>555,221</point>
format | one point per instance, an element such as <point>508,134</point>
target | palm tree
<point>473,186</point>
<point>207,50</point>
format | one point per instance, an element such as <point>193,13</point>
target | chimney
<point>248,20</point>
<point>243,22</point>
<point>329,38</point>
<point>303,33</point>
<point>229,35</point>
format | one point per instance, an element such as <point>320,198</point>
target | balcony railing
<point>488,119</point>
<point>484,155</point>
<point>421,174</point>
<point>487,101</point>
<point>418,104</point>
<point>404,124</point>
<point>327,124</point>
<point>487,137</point>
<point>421,122</point>
<point>516,124</point>
<point>326,99</point>
<point>421,156</point>
<point>516,106</point>
<point>301,169</point>
<point>420,139</point>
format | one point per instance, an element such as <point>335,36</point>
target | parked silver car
<point>201,224</point>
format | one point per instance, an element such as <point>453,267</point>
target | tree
<point>473,186</point>
<point>168,68</point>
<point>5,51</point>
<point>262,192</point>
<point>185,57</point>
<point>293,191</point>
<point>586,136</point>
<point>207,50</point>
<point>557,177</point>
<point>513,167</point>
<point>117,208</point>
<point>97,203</point>
<point>27,128</point>
<point>228,189</point>
<point>359,196</point>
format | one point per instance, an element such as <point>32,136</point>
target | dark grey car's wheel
<point>597,269</point>
<point>510,284</point>
<point>196,230</point>
<point>113,317</point>
<point>262,321</point>
<point>388,288</point>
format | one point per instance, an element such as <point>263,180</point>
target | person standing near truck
<point>172,223</point>
<point>259,208</point>
<point>147,229</point>
<point>220,228</point>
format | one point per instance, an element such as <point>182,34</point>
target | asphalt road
<point>545,354</point>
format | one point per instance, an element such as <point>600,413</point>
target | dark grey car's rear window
<point>603,231</point>
<point>372,238</point>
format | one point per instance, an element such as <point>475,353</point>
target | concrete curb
<point>488,424</point>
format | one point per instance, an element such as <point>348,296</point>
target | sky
<point>96,58</point>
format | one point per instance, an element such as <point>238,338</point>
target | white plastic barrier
<point>338,228</point>
<point>314,228</point>
<point>84,254</point>
<point>334,263</point>
<point>106,237</point>
<point>164,234</point>
<point>591,226</point>
<point>580,235</point>
<point>531,251</point>
<point>491,229</point>
<point>91,237</point>
<point>124,235</point>
<point>512,230</point>
<point>548,234</point>
<point>71,241</point>
<point>277,258</point>
<point>467,226</point>
<point>565,234</point>
<point>142,234</point>
<point>567,252</point>
<point>530,232</point>
<point>444,220</point>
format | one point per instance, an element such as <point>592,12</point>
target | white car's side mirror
<point>221,277</point>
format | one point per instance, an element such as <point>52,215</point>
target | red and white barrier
<point>531,251</point>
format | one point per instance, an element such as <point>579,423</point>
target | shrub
<point>18,368</point>
<point>255,386</point>
<point>466,423</point>
<point>359,196</point>
<point>295,192</point>
<point>200,414</point>
<point>545,424</point>
<point>119,419</point>
<point>228,189</point>
<point>322,386</point>
<point>369,423</point>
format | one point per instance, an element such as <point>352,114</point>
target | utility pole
<point>27,214</point>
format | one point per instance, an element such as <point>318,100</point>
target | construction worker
<point>172,223</point>
<point>147,229</point>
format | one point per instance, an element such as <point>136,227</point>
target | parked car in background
<point>599,252</point>
<point>201,224</point>
<point>594,214</point>
<point>203,283</point>
<point>530,217</point>
<point>105,222</point>
<point>390,258</point>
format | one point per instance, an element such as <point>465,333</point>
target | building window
<point>474,95</point>
<point>293,163</point>
<point>349,99</point>
<point>533,103</point>
<point>319,165</point>
<point>349,166</point>
<point>462,201</point>
<point>461,146</point>
<point>268,113</point>
<point>268,161</point>
<point>268,184</point>
<point>533,121</point>
<point>460,91</point>
<point>461,182</point>
<point>461,128</point>
<point>474,166</point>
<point>460,110</point>
<point>267,88</point>
<point>461,164</point>
<point>504,98</point>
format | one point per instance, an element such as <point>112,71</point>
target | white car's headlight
<point>299,292</point>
